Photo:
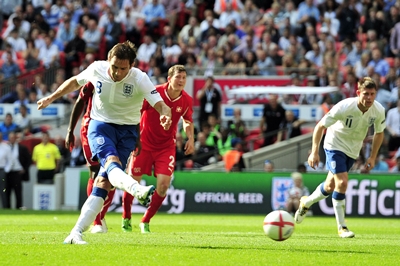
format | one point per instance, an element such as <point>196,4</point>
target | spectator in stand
<point>153,12</point>
<point>29,13</point>
<point>92,37</point>
<point>192,29</point>
<point>49,54</point>
<point>269,166</point>
<point>384,96</point>
<point>18,43</point>
<point>354,55</point>
<point>393,127</point>
<point>390,80</point>
<point>22,96</point>
<point>273,116</point>
<point>264,65</point>
<point>31,56</point>
<point>9,49</point>
<point>131,19</point>
<point>112,32</point>
<point>209,21</point>
<point>47,157</point>
<point>146,49</point>
<point>8,126</point>
<point>136,5</point>
<point>395,40</point>
<point>308,14</point>
<point>171,49</point>
<point>349,18</point>
<point>290,127</point>
<point>51,15</point>
<point>23,121</point>
<point>53,36</point>
<point>40,23</point>
<point>9,69</point>
<point>229,15</point>
<point>66,31</point>
<point>235,65</point>
<point>251,12</point>
<point>210,65</point>
<point>237,125</point>
<point>172,8</point>
<point>210,101</point>
<point>222,5</point>
<point>74,51</point>
<point>350,87</point>
<point>379,64</point>
<point>374,20</point>
<point>297,191</point>
<point>191,65</point>
<point>277,14</point>
<point>361,66</point>
<point>204,154</point>
<point>23,27</point>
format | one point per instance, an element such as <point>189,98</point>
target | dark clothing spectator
<point>348,19</point>
<point>273,116</point>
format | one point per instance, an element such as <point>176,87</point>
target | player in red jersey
<point>85,98</point>
<point>158,145</point>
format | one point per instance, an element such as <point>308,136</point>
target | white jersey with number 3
<point>118,102</point>
<point>348,126</point>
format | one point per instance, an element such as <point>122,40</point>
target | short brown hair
<point>176,69</point>
<point>123,51</point>
<point>366,83</point>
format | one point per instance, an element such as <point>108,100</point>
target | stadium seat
<point>21,64</point>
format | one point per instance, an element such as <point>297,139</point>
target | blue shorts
<point>338,162</point>
<point>106,139</point>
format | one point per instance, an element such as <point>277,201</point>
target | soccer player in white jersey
<point>347,124</point>
<point>113,129</point>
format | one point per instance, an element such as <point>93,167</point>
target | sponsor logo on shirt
<point>128,90</point>
<point>154,92</point>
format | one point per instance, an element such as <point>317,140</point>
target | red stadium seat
<point>390,61</point>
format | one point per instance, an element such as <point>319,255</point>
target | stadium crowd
<point>317,42</point>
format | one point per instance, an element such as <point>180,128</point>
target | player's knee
<point>162,190</point>
<point>103,183</point>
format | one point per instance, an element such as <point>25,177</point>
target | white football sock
<point>339,207</point>
<point>90,209</point>
<point>121,180</point>
<point>315,197</point>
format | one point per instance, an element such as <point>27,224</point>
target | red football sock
<point>127,200</point>
<point>156,202</point>
<point>89,187</point>
<point>107,203</point>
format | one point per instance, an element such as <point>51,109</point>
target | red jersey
<point>86,94</point>
<point>152,134</point>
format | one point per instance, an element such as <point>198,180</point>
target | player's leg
<point>164,169</point>
<point>137,166</point>
<point>325,188</point>
<point>90,209</point>
<point>112,145</point>
<point>339,204</point>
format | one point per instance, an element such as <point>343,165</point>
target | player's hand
<point>189,147</point>
<point>165,122</point>
<point>70,141</point>
<point>369,164</point>
<point>138,149</point>
<point>44,102</point>
<point>313,160</point>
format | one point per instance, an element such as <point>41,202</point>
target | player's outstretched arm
<point>76,113</point>
<point>68,86</point>
<point>165,114</point>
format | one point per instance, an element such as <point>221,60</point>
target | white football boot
<point>344,232</point>
<point>301,211</point>
<point>75,239</point>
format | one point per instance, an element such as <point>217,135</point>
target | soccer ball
<point>278,225</point>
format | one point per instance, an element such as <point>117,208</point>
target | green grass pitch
<point>35,238</point>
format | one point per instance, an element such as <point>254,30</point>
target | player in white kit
<point>113,129</point>
<point>347,124</point>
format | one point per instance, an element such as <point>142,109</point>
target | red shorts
<point>85,146</point>
<point>163,162</point>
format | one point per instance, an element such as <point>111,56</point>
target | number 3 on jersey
<point>98,87</point>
